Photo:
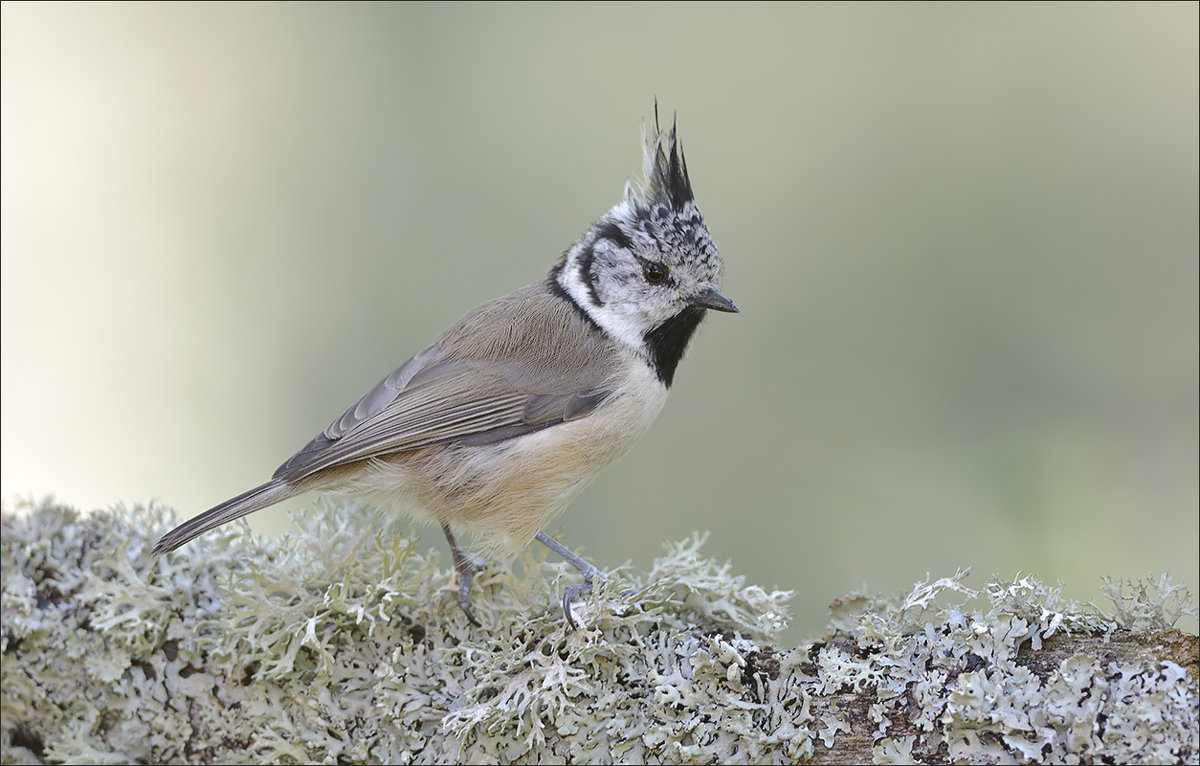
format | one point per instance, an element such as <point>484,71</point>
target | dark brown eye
<point>654,272</point>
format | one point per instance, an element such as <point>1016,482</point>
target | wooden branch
<point>340,645</point>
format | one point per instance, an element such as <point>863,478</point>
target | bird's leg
<point>467,567</point>
<point>589,572</point>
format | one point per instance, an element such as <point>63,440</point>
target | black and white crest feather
<point>666,169</point>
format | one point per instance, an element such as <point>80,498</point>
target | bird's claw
<point>467,568</point>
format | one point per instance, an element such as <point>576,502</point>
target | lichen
<point>343,643</point>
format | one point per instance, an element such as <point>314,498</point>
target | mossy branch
<point>336,645</point>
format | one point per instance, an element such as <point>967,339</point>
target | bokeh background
<point>963,237</point>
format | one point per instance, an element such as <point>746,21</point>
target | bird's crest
<point>664,168</point>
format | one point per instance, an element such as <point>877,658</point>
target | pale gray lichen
<point>1149,604</point>
<point>343,643</point>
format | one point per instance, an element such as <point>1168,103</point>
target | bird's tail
<point>235,508</point>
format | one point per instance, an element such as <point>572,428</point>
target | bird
<point>499,423</point>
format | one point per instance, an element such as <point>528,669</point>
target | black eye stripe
<point>587,277</point>
<point>613,233</point>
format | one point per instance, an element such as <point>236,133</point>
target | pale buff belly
<point>506,492</point>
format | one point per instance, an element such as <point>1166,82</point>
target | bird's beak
<point>711,299</point>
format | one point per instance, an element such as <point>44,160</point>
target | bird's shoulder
<point>535,326</point>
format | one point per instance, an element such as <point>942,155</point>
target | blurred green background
<point>963,238</point>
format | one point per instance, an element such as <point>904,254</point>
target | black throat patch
<point>667,342</point>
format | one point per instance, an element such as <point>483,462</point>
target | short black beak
<point>711,299</point>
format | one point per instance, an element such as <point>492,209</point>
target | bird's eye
<point>654,272</point>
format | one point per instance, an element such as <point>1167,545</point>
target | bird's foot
<point>466,567</point>
<point>572,592</point>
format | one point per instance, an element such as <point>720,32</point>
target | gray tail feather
<point>235,508</point>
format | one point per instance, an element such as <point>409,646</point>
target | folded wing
<point>520,364</point>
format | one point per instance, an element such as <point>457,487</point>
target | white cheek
<point>627,328</point>
<point>623,322</point>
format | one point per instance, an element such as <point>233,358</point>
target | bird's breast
<point>615,426</point>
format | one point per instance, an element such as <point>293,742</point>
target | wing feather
<point>477,384</point>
